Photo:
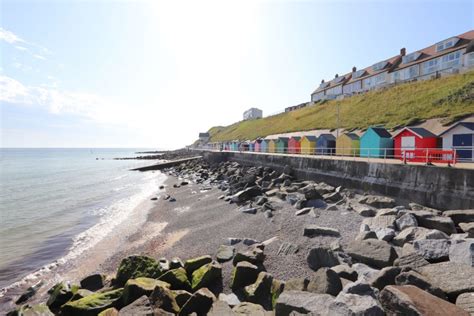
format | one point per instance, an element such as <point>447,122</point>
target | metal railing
<point>415,155</point>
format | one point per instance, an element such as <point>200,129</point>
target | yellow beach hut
<point>308,145</point>
<point>272,146</point>
<point>348,144</point>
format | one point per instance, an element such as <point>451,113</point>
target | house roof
<point>392,62</point>
<point>203,134</point>
<point>419,131</point>
<point>332,83</point>
<point>430,52</point>
<point>310,138</point>
<point>382,132</point>
<point>327,136</point>
<point>468,125</point>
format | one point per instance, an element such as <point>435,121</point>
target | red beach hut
<point>294,145</point>
<point>411,143</point>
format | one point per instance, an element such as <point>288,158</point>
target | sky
<point>156,73</point>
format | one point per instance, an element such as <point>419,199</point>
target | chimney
<point>354,69</point>
<point>403,51</point>
<point>322,81</point>
<point>336,76</point>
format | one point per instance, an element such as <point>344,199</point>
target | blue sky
<point>156,73</point>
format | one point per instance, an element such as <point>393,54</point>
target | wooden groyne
<point>166,164</point>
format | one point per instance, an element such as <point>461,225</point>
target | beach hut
<point>294,145</point>
<point>264,145</point>
<point>257,144</point>
<point>412,142</point>
<point>460,137</point>
<point>281,145</point>
<point>348,144</point>
<point>252,146</point>
<point>376,142</point>
<point>308,145</point>
<point>245,146</point>
<point>326,144</point>
<point>271,146</point>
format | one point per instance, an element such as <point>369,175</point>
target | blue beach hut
<point>264,145</point>
<point>326,144</point>
<point>376,142</point>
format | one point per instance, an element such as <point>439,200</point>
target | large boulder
<point>416,279</point>
<point>468,228</point>
<point>466,302</point>
<point>254,256</point>
<point>225,253</point>
<point>410,300</point>
<point>411,260</point>
<point>260,292</point>
<point>134,267</point>
<point>181,297</point>
<point>243,274</point>
<point>246,194</point>
<point>134,288</point>
<point>452,278</point>
<point>177,279</point>
<point>163,298</point>
<point>199,303</point>
<point>31,310</point>
<point>377,201</point>
<point>60,293</point>
<point>364,272</point>
<point>141,306</point>
<point>322,257</point>
<point>380,222</point>
<point>433,250</point>
<point>346,272</point>
<point>460,216</point>
<point>407,220</point>
<point>302,302</point>
<point>93,304</point>
<point>375,253</point>
<point>206,275</point>
<point>364,210</point>
<point>462,251</point>
<point>247,308</point>
<point>353,304</point>
<point>314,230</point>
<point>297,284</point>
<point>325,281</point>
<point>193,264</point>
<point>411,234</point>
<point>93,282</point>
<point>444,224</point>
<point>385,277</point>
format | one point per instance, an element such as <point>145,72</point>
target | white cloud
<point>10,37</point>
<point>39,56</point>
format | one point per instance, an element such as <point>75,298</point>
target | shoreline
<point>89,257</point>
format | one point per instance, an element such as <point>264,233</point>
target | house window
<point>411,72</point>
<point>451,60</point>
<point>430,66</point>
<point>358,73</point>
<point>470,59</point>
<point>446,44</point>
<point>379,66</point>
<point>396,76</point>
<point>410,57</point>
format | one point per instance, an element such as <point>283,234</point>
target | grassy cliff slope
<point>449,98</point>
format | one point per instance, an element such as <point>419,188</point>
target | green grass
<point>450,98</point>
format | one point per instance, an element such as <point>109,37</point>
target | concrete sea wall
<point>437,187</point>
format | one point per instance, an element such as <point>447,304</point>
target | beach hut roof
<point>283,138</point>
<point>296,138</point>
<point>419,131</point>
<point>382,132</point>
<point>352,136</point>
<point>328,136</point>
<point>468,125</point>
<point>311,138</point>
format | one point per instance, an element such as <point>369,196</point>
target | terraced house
<point>452,55</point>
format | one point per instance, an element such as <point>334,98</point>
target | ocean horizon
<point>58,202</point>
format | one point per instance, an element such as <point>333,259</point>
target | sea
<point>57,203</point>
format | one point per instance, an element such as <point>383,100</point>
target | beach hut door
<point>408,143</point>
